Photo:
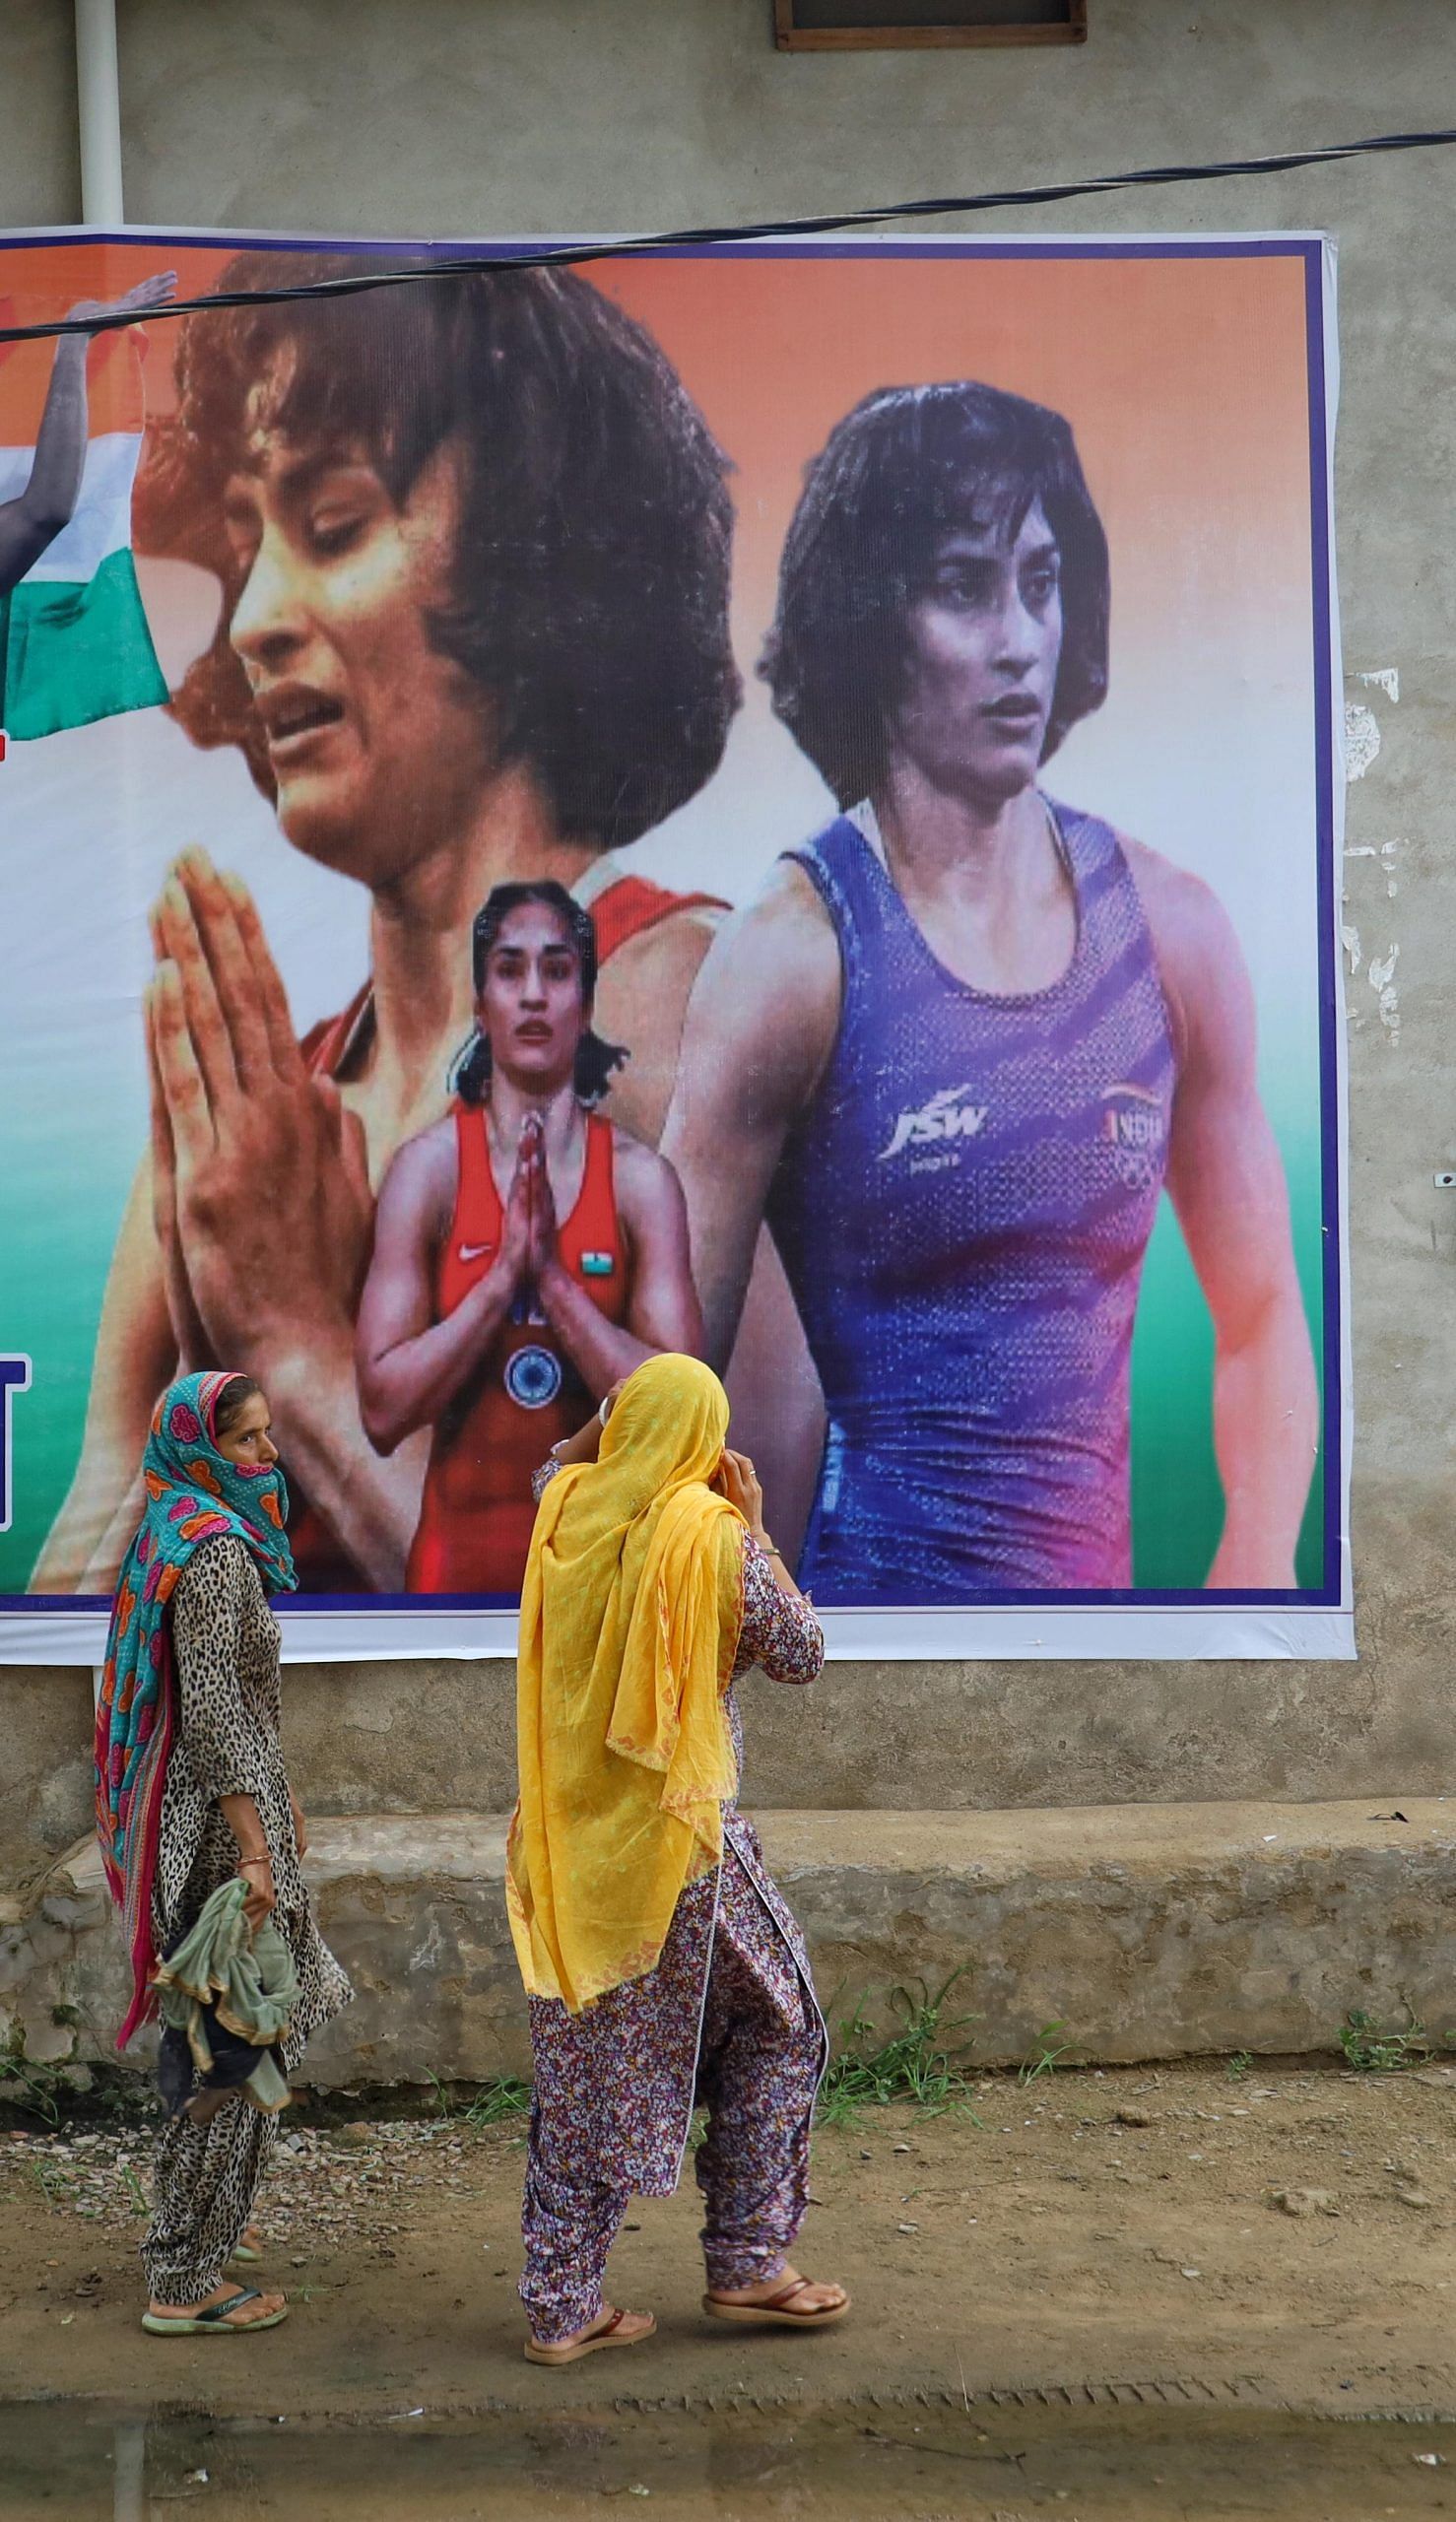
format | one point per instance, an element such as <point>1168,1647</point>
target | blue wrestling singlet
<point>962,1213</point>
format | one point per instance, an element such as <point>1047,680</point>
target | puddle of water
<point>897,2465</point>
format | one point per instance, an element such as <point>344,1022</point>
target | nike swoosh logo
<point>472,1251</point>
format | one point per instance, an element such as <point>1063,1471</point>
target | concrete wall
<point>1150,1931</point>
<point>360,117</point>
<point>39,164</point>
<point>432,1738</point>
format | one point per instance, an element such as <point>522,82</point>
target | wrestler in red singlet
<point>623,907</point>
<point>527,1252</point>
<point>476,1511</point>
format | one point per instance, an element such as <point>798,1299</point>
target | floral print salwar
<point>728,2019</point>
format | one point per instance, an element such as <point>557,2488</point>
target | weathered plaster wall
<point>1158,1931</point>
<point>39,162</point>
<point>549,115</point>
<point>430,1738</point>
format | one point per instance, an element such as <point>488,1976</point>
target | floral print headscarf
<point>194,1493</point>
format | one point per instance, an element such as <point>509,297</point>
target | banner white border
<point>1244,1632</point>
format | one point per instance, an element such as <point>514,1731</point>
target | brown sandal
<point>607,2336</point>
<point>775,2311</point>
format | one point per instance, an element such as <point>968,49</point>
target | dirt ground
<point>1095,2228</point>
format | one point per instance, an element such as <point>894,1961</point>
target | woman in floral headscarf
<point>191,1792</point>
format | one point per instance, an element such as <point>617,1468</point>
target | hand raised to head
<point>737,1482</point>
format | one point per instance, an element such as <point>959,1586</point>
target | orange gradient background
<point>1184,379</point>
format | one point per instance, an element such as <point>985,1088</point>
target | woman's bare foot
<point>258,2307</point>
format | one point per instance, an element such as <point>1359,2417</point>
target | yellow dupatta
<point>631,1612</point>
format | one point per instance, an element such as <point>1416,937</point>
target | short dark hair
<point>596,1059</point>
<point>231,1401</point>
<point>894,476</point>
<point>592,579</point>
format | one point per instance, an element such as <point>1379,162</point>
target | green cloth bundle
<point>226,1978</point>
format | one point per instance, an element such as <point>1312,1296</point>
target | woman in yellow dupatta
<point>661,1962</point>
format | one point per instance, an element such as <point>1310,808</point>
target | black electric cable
<point>667,241</point>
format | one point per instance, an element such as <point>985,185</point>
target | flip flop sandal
<point>245,2255</point>
<point>775,2311</point>
<point>214,2319</point>
<point>607,2337</point>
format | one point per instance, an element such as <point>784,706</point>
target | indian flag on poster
<point>73,640</point>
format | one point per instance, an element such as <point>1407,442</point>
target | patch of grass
<point>38,2091</point>
<point>503,2097</point>
<point>1238,2067</point>
<point>55,2186</point>
<point>1373,2052</point>
<point>136,2196</point>
<point>918,2064</point>
<point>500,2097</point>
<point>56,2092</point>
<point>1046,2056</point>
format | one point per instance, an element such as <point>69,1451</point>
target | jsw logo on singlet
<point>945,1116</point>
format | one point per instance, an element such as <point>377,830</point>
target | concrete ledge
<point>995,1737</point>
<point>1150,1931</point>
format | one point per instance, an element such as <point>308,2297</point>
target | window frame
<point>789,37</point>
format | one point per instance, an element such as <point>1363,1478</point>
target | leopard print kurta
<point>225,1658</point>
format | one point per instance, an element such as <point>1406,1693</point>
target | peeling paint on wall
<point>1383,856</point>
<point>1384,853</point>
<point>1361,739</point>
<point>1362,728</point>
<point>1382,977</point>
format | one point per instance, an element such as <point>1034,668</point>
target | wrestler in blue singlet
<point>962,1213</point>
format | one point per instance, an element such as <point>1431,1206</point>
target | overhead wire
<point>757,231</point>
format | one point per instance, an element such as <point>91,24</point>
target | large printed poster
<point>780,803</point>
